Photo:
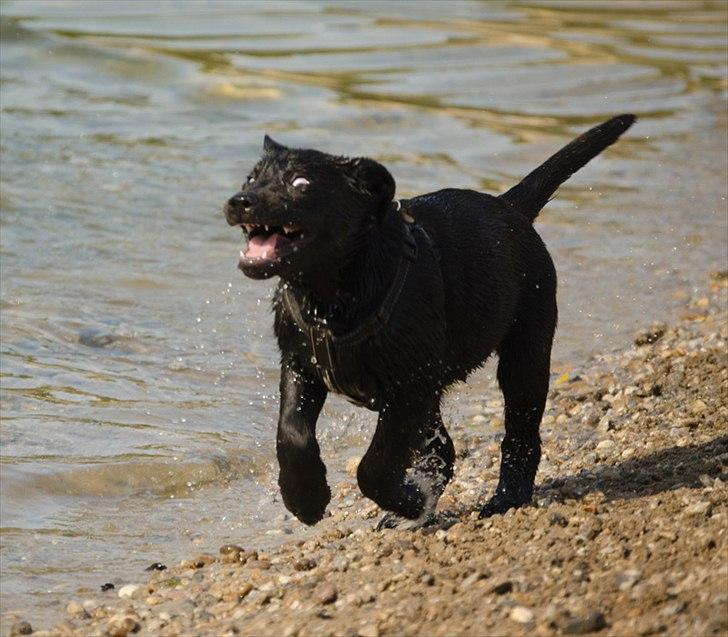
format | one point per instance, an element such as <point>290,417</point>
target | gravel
<point>627,533</point>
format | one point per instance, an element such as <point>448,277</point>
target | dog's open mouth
<point>270,243</point>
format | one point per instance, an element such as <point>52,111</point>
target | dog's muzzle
<point>238,204</point>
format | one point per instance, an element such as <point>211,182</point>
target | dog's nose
<point>246,200</point>
<point>237,205</point>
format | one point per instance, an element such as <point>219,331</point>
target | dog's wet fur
<point>478,280</point>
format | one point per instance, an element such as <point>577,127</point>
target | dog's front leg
<point>302,476</point>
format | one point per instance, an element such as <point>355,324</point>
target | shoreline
<point>627,532</point>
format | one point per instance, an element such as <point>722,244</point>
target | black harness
<point>337,356</point>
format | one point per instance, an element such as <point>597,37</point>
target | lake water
<point>139,375</point>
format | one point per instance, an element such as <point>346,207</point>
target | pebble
<point>502,588</point>
<point>521,615</point>
<point>156,566</point>
<point>340,564</point>
<point>76,610</point>
<point>326,593</point>
<point>128,591</point>
<point>699,509</point>
<point>627,579</point>
<point>556,519</point>
<point>121,627</point>
<point>304,564</point>
<point>605,448</point>
<point>21,628</point>
<point>650,335</point>
<point>200,561</point>
<point>618,516</point>
<point>352,464</point>
<point>590,622</point>
<point>606,424</point>
<point>368,630</point>
<point>470,580</point>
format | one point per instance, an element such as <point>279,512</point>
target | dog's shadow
<point>663,470</point>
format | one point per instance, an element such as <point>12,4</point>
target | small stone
<point>304,564</point>
<point>352,464</point>
<point>127,592</point>
<point>368,630</point>
<point>230,549</point>
<point>470,580</point>
<point>76,610</point>
<point>521,615</point>
<point>606,424</point>
<point>340,564</point>
<point>121,627</point>
<point>627,579</point>
<point>199,561</point>
<point>107,587</point>
<point>650,335</point>
<point>605,448</point>
<point>591,622</point>
<point>21,628</point>
<point>502,588</point>
<point>156,566</point>
<point>556,519</point>
<point>326,593</point>
<point>698,407</point>
<point>699,509</point>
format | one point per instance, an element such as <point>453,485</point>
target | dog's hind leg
<point>409,435</point>
<point>523,375</point>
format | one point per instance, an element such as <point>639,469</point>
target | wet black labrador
<point>390,302</point>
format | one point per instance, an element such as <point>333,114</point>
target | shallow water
<point>139,374</point>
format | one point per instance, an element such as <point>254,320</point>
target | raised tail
<point>534,191</point>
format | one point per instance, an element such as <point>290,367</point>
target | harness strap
<point>320,336</point>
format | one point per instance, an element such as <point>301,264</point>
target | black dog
<point>389,303</point>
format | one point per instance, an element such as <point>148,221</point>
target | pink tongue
<point>263,247</point>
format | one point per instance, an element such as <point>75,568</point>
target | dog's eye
<point>300,182</point>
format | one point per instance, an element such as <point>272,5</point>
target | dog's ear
<point>271,147</point>
<point>371,179</point>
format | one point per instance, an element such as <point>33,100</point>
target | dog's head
<point>303,211</point>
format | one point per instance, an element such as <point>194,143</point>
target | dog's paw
<point>393,521</point>
<point>499,504</point>
<point>306,496</point>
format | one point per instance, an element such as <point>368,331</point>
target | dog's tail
<point>534,192</point>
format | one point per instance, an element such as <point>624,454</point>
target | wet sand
<point>627,533</point>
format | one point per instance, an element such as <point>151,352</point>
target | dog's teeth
<point>242,254</point>
<point>266,228</point>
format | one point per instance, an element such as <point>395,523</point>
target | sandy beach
<point>627,533</point>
